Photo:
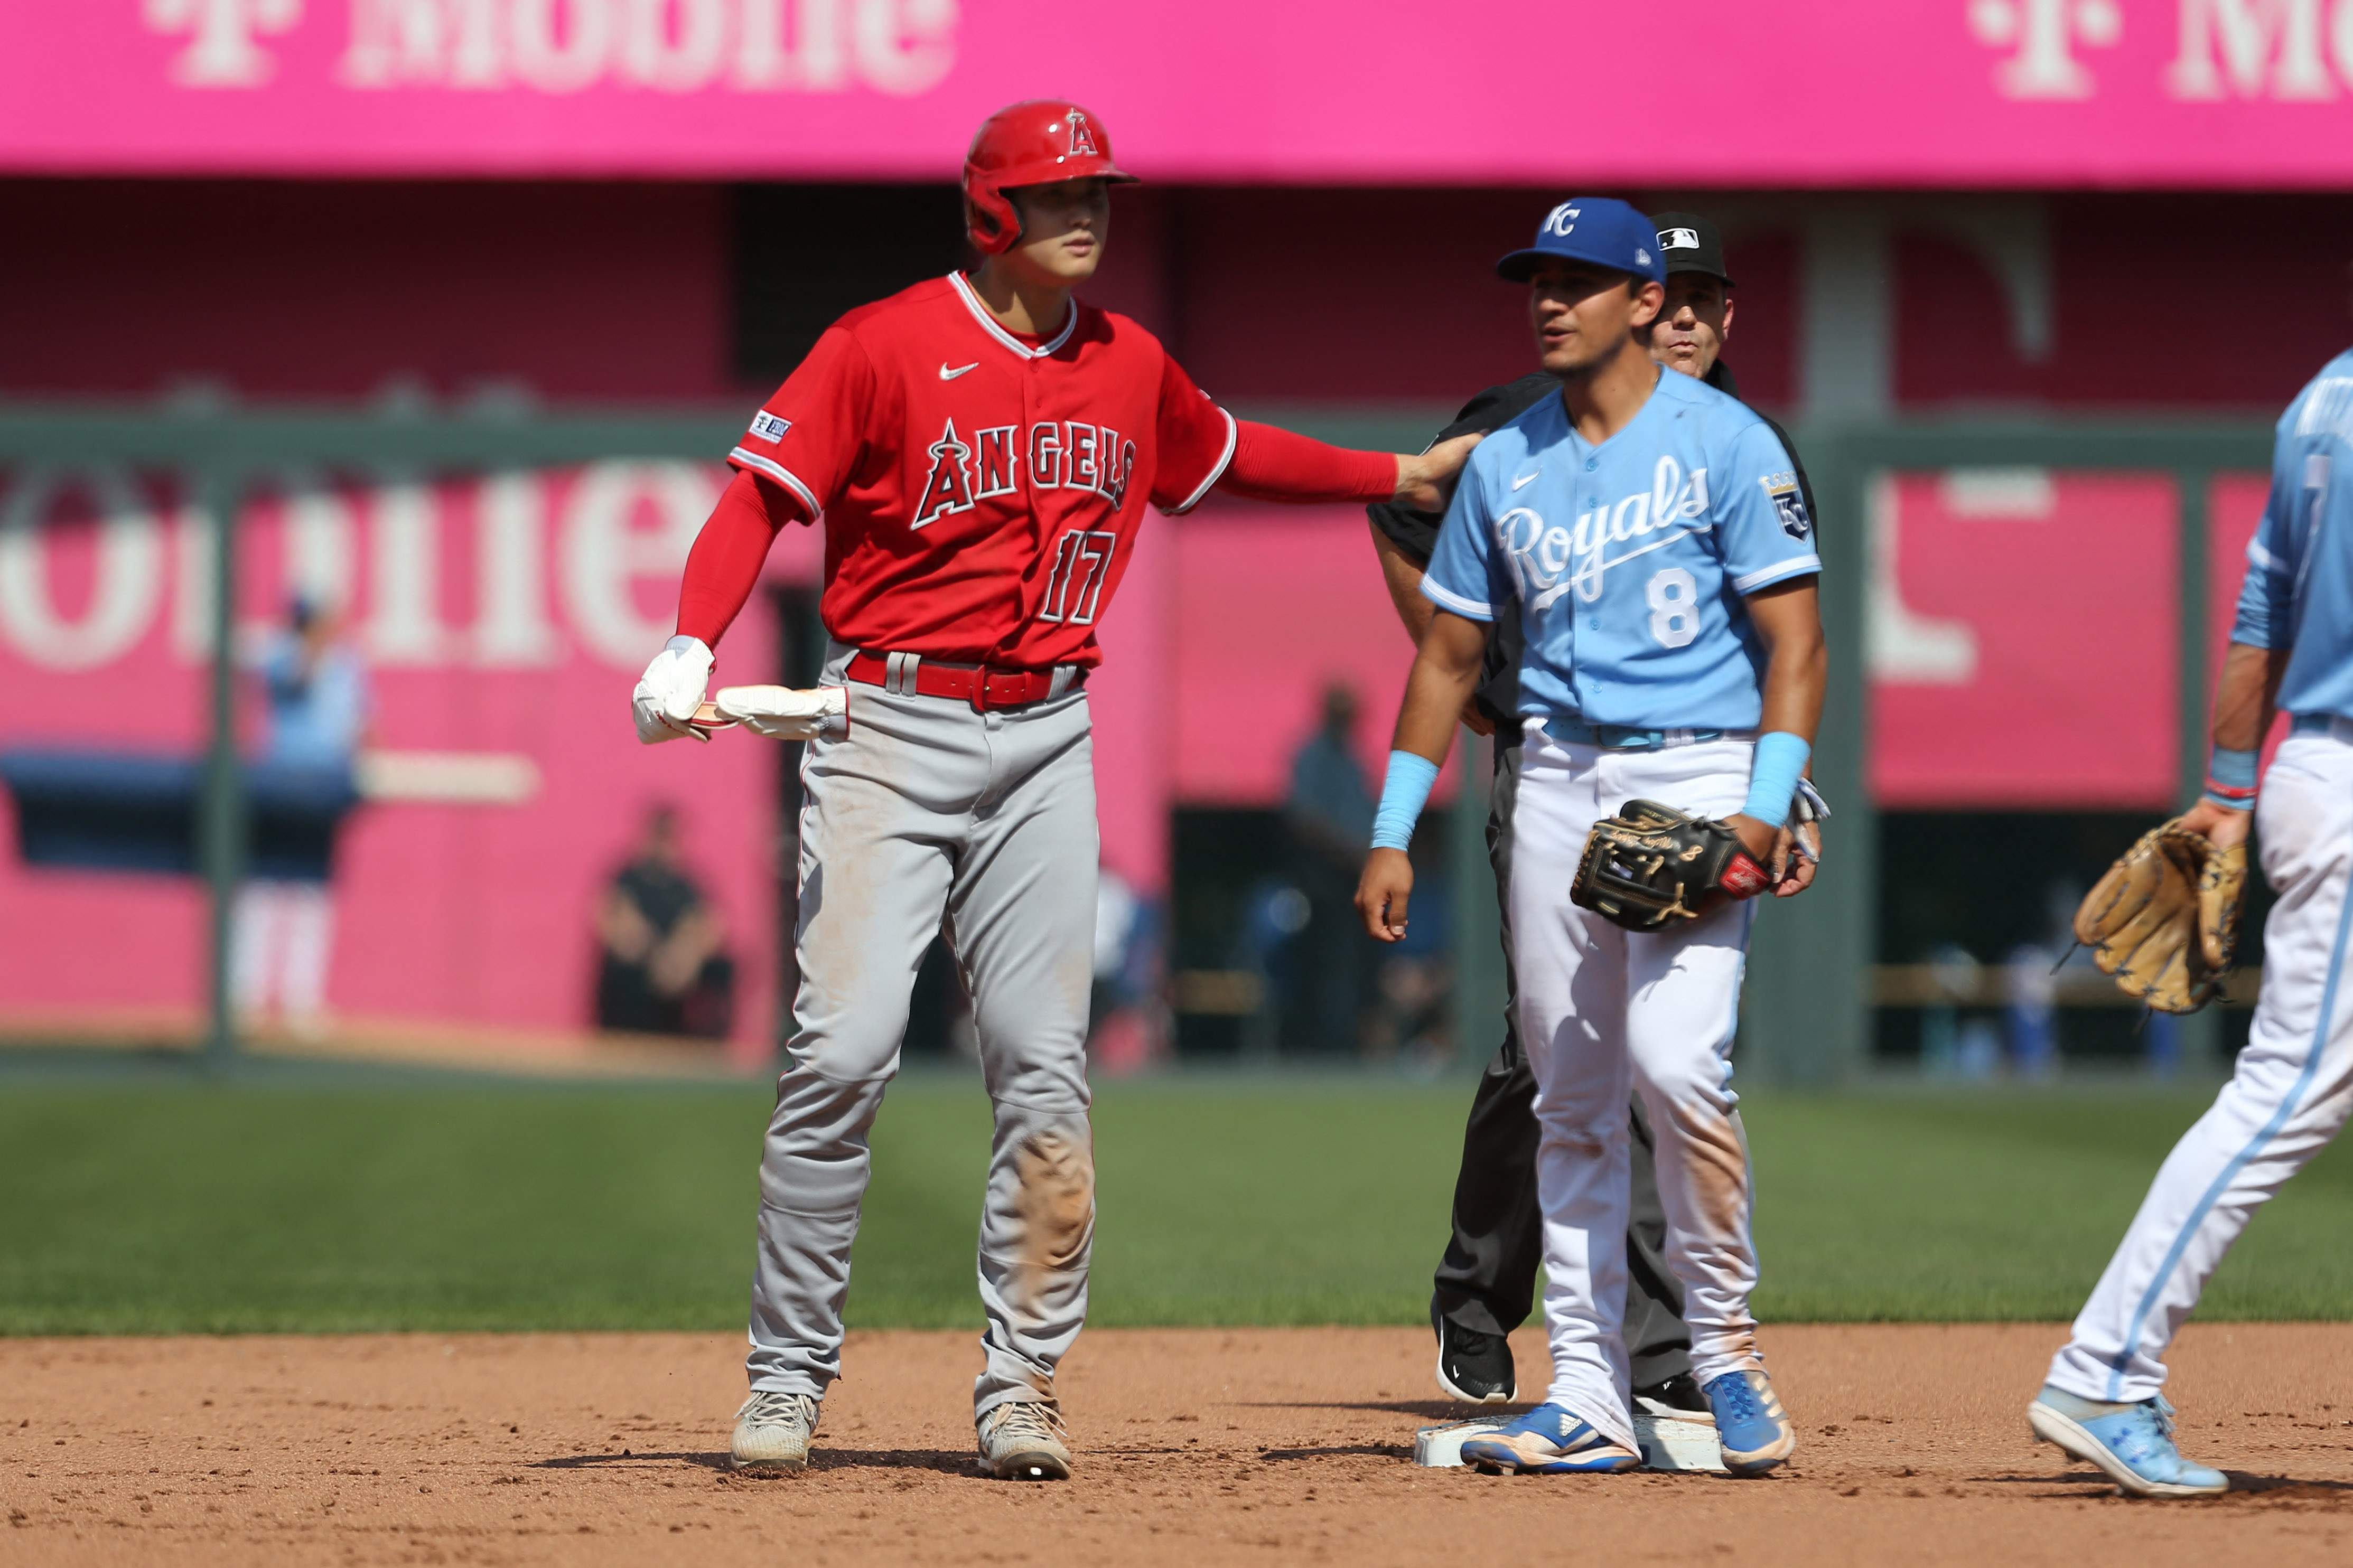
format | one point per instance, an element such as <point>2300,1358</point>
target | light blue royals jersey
<point>1632,560</point>
<point>2298,592</point>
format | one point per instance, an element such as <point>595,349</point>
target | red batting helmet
<point>1033,144</point>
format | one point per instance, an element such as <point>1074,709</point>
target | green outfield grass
<point>1297,1201</point>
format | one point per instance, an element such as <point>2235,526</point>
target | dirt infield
<point>1196,1446</point>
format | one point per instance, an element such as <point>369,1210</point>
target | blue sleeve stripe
<point>1766,576</point>
<point>1470,609</point>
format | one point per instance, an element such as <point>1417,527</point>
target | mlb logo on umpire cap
<point>1693,244</point>
<point>1599,229</point>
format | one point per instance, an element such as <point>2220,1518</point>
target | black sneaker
<point>1475,1368</point>
<point>1677,1398</point>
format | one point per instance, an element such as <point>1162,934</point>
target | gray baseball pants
<point>928,809</point>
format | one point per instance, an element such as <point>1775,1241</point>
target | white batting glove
<point>782,713</point>
<point>671,691</point>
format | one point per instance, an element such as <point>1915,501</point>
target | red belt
<point>985,686</point>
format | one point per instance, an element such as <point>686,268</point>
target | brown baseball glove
<point>1652,864</point>
<point>2165,920</point>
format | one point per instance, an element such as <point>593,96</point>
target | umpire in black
<point>1486,1282</point>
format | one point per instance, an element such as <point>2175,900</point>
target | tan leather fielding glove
<point>2165,920</point>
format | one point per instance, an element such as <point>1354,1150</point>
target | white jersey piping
<point>980,313</point>
<point>1763,576</point>
<point>1217,471</point>
<point>1470,609</point>
<point>783,476</point>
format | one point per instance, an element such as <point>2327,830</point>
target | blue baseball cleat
<point>1749,1422</point>
<point>1550,1440</point>
<point>2133,1443</point>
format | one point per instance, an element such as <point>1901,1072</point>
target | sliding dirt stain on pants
<point>928,812</point>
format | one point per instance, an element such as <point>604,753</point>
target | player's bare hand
<point>1477,722</point>
<point>2221,826</point>
<point>668,697</point>
<point>1797,856</point>
<point>1382,892</point>
<point>1426,483</point>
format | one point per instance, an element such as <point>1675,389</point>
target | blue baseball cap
<point>1602,231</point>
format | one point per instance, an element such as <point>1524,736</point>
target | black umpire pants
<point>1487,1279</point>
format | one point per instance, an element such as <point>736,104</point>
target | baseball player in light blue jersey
<point>1653,533</point>
<point>2292,649</point>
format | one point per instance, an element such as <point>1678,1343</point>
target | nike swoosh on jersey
<point>1526,479</point>
<point>948,375</point>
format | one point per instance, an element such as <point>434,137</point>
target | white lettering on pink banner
<point>900,47</point>
<point>2147,93</point>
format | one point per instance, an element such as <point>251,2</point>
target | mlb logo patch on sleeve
<point>1789,503</point>
<point>768,427</point>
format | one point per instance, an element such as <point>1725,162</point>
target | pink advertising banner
<point>2216,93</point>
<point>1978,699</point>
<point>502,619</point>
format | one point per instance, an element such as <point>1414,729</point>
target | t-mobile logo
<point>2045,34</point>
<point>222,51</point>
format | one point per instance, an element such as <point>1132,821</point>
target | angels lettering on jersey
<point>1058,454</point>
<point>981,490</point>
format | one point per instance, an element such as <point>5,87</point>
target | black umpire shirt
<point>1415,534</point>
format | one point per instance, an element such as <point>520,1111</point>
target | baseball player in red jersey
<point>982,449</point>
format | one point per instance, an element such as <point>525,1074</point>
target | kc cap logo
<point>1680,239</point>
<point>1083,135</point>
<point>1599,230</point>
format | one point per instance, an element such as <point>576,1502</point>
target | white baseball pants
<point>1604,1011</point>
<point>2288,1096</point>
<point>927,810</point>
<point>284,940</point>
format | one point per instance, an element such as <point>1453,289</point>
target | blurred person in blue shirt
<point>1330,813</point>
<point>320,712</point>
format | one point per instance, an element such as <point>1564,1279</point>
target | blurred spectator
<point>2031,1015</point>
<point>1330,814</point>
<point>2031,984</point>
<point>665,969</point>
<point>1413,1026</point>
<point>1127,1027</point>
<point>1265,946</point>
<point>1954,971</point>
<point>316,684</point>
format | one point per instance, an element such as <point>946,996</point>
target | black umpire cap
<point>1691,244</point>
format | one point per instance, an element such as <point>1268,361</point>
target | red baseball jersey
<point>981,493</point>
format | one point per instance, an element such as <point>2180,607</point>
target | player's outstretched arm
<point>1277,465</point>
<point>1789,621</point>
<point>1444,671</point>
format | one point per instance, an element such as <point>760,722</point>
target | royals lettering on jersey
<point>1630,561</point>
<point>981,491</point>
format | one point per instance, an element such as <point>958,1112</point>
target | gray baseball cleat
<point>1024,1440</point>
<point>772,1432</point>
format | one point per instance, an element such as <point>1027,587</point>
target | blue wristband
<point>1772,776</point>
<point>1403,794</point>
<point>2231,778</point>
